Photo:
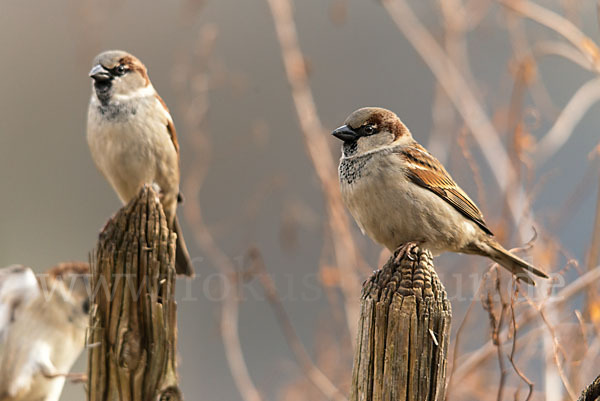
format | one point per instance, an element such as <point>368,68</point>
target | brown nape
<point>398,128</point>
<point>67,268</point>
<point>135,65</point>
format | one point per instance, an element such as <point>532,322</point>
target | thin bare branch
<point>594,250</point>
<point>310,370</point>
<point>194,109</point>
<point>463,98</point>
<point>562,49</point>
<point>557,347</point>
<point>593,254</point>
<point>585,97</point>
<point>230,303</point>
<point>315,135</point>
<point>458,337</point>
<point>476,358</point>
<point>560,25</point>
<point>513,350</point>
<point>233,347</point>
<point>496,323</point>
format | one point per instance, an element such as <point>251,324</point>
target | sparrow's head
<point>370,128</point>
<point>67,285</point>
<point>116,72</point>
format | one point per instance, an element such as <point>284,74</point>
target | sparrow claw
<point>409,250</point>
<point>156,188</point>
<point>405,250</point>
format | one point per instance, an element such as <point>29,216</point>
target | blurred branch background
<point>504,92</point>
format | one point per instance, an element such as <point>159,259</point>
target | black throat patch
<point>103,91</point>
<point>112,110</point>
<point>353,169</point>
<point>350,148</point>
<point>117,111</point>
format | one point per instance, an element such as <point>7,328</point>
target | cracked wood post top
<point>403,333</point>
<point>132,338</point>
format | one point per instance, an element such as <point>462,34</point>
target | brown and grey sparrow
<point>398,193</point>
<point>43,321</point>
<point>132,137</point>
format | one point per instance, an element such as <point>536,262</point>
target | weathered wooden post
<point>403,333</point>
<point>591,392</point>
<point>133,325</point>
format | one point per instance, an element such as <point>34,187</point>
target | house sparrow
<point>132,137</point>
<point>398,193</point>
<point>43,330</point>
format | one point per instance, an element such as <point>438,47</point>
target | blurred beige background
<point>54,202</point>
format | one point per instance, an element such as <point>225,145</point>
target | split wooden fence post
<point>132,337</point>
<point>403,334</point>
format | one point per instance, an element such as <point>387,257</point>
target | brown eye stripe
<point>389,123</point>
<point>135,65</point>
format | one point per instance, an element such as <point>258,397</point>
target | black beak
<point>345,133</point>
<point>99,73</point>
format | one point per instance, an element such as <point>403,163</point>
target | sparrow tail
<point>183,263</point>
<point>511,262</point>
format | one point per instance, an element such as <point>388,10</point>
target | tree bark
<point>403,333</point>
<point>132,338</point>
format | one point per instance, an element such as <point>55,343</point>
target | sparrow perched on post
<point>398,193</point>
<point>132,137</point>
<point>43,321</point>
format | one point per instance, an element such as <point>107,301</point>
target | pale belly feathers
<point>393,211</point>
<point>131,155</point>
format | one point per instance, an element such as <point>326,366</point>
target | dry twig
<point>463,98</point>
<point>310,370</point>
<point>476,358</point>
<point>195,117</point>
<point>514,347</point>
<point>585,97</point>
<point>561,25</point>
<point>346,254</point>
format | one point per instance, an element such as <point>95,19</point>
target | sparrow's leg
<point>77,377</point>
<point>48,370</point>
<point>404,250</point>
<point>72,377</point>
<point>158,190</point>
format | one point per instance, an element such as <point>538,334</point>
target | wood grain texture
<point>132,338</point>
<point>403,333</point>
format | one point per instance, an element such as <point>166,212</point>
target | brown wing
<point>426,171</point>
<point>169,123</point>
<point>173,134</point>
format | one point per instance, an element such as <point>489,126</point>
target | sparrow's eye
<point>368,129</point>
<point>120,69</point>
